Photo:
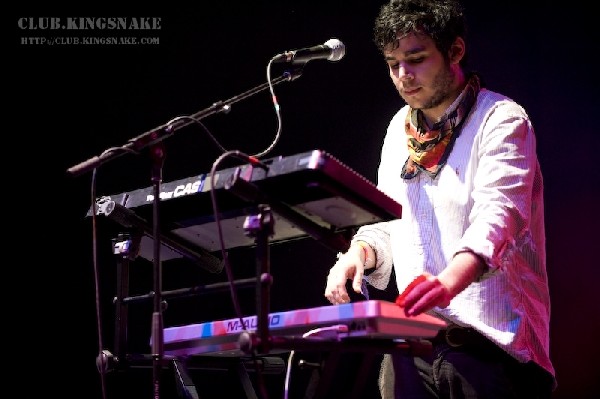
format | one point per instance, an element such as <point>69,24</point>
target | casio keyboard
<point>366,319</point>
<point>313,187</point>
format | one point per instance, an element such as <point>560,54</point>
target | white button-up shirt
<point>488,198</point>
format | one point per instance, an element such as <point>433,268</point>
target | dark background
<point>69,103</point>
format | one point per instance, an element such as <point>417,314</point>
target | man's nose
<point>404,73</point>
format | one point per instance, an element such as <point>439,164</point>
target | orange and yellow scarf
<point>429,149</point>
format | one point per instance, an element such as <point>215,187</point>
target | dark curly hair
<point>442,20</point>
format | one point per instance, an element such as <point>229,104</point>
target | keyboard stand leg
<point>363,374</point>
<point>244,378</point>
<point>185,386</point>
<point>322,380</point>
<point>327,374</point>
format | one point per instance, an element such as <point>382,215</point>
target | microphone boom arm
<point>161,132</point>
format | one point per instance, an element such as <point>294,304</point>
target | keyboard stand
<point>183,382</point>
<point>371,350</point>
<point>259,226</point>
<point>125,249</point>
<point>238,368</point>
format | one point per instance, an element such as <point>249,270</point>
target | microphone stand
<point>153,139</point>
<point>157,155</point>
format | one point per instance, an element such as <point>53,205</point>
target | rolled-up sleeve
<point>502,189</point>
<point>377,235</point>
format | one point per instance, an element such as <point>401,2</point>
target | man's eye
<point>394,66</point>
<point>417,60</point>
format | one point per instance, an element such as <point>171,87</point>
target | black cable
<point>227,266</point>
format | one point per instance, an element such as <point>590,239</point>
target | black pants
<point>466,365</point>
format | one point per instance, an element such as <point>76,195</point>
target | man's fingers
<point>401,299</point>
<point>337,295</point>
<point>335,291</point>
<point>357,282</point>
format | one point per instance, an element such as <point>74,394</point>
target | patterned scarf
<point>429,149</point>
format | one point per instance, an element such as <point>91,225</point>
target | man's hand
<point>349,266</point>
<point>423,294</point>
<point>427,291</point>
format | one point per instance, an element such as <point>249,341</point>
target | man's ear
<point>457,50</point>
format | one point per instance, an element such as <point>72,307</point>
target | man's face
<point>421,74</point>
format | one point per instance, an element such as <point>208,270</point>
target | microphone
<point>331,50</point>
